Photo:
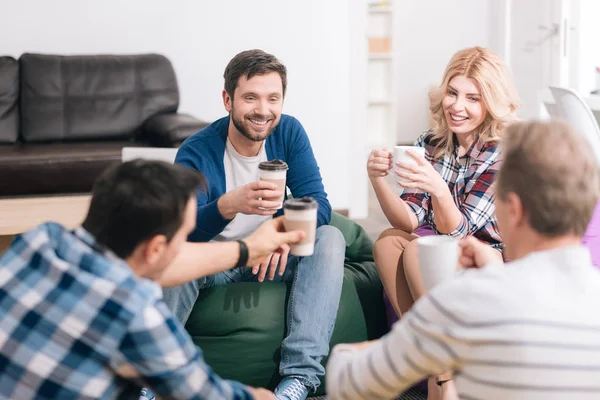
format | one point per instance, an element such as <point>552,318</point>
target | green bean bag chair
<point>239,327</point>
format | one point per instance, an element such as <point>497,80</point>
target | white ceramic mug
<point>438,259</point>
<point>400,155</point>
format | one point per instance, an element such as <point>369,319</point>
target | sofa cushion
<point>9,100</point>
<point>93,97</point>
<point>240,327</point>
<point>42,168</point>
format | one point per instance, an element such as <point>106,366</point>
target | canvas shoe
<point>291,389</point>
<point>146,394</point>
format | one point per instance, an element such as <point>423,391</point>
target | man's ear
<point>155,247</point>
<point>227,101</point>
<point>515,210</point>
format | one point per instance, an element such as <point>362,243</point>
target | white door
<point>537,48</point>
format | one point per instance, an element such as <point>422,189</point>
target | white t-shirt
<point>240,171</point>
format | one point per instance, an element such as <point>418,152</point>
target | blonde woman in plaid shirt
<point>449,192</point>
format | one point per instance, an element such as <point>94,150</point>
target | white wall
<point>428,32</point>
<point>199,37</point>
<point>589,46</point>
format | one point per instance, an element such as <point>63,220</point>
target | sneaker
<point>291,389</point>
<point>146,394</point>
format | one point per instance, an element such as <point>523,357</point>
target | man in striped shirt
<point>527,329</point>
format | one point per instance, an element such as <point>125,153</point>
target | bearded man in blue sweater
<point>228,153</point>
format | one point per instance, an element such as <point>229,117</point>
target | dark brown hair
<point>249,63</point>
<point>133,201</point>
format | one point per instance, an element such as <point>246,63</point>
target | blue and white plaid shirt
<point>77,323</point>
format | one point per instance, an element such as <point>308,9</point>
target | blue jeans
<point>312,307</point>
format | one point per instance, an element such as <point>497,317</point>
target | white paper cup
<point>301,214</point>
<point>400,155</point>
<point>274,171</point>
<point>438,259</point>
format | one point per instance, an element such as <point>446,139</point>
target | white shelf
<point>380,56</point>
<point>380,102</point>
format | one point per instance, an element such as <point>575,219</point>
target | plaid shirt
<point>470,179</point>
<point>77,323</point>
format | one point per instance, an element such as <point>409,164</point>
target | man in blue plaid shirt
<point>81,312</point>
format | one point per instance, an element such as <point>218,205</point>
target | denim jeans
<point>312,307</point>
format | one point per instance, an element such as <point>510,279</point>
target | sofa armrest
<point>167,130</point>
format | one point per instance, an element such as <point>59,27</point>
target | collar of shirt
<point>83,241</point>
<point>477,147</point>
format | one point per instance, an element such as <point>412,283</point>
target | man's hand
<point>280,256</point>
<point>476,254</point>
<point>269,238</point>
<point>362,345</point>
<point>260,393</point>
<point>260,198</point>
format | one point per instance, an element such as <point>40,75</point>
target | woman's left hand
<point>421,176</point>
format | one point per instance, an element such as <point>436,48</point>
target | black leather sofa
<point>64,119</point>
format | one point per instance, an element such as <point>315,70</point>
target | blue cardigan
<point>205,150</point>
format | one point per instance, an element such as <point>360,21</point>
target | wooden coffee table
<point>18,215</point>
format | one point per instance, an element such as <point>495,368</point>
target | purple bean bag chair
<point>591,239</point>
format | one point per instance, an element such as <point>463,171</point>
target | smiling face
<point>463,106</point>
<point>255,109</point>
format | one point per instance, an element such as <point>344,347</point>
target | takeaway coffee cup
<point>400,155</point>
<point>274,171</point>
<point>301,214</point>
<point>438,259</point>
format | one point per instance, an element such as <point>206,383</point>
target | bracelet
<point>243,260</point>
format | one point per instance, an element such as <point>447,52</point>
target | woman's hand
<point>421,176</point>
<point>379,163</point>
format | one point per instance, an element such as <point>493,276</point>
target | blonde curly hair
<point>498,93</point>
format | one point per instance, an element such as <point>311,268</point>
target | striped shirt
<point>469,178</point>
<point>77,323</point>
<point>526,330</point>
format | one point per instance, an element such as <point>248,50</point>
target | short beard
<point>242,129</point>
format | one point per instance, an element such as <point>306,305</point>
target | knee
<point>410,258</point>
<point>383,243</point>
<point>331,237</point>
<point>331,246</point>
<point>390,243</point>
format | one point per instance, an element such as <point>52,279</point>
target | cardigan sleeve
<point>209,221</point>
<point>304,177</point>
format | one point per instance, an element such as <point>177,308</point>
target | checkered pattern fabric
<point>77,323</point>
<point>470,179</point>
